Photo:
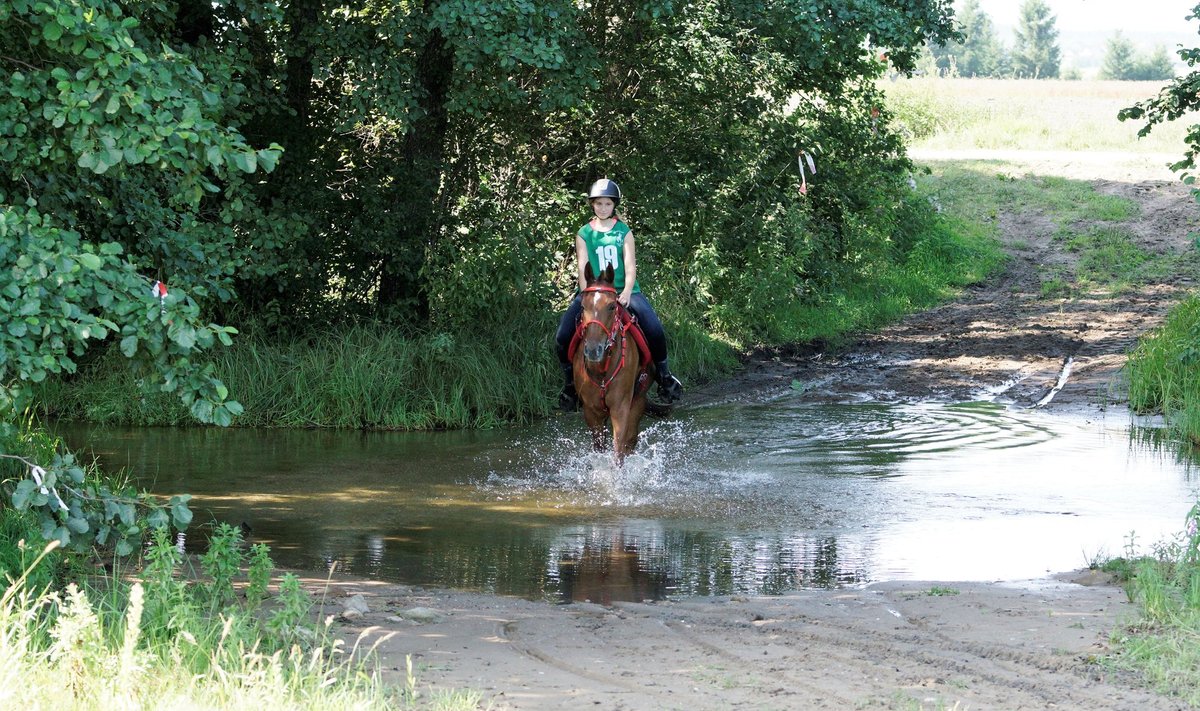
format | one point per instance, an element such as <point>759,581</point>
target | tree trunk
<point>418,181</point>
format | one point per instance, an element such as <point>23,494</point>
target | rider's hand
<point>625,296</point>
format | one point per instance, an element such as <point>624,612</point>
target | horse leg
<point>595,422</point>
<point>624,437</point>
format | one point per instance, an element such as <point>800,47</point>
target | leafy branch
<point>80,511</point>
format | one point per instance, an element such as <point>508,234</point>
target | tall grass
<point>1164,370</point>
<point>1163,645</point>
<point>358,377</point>
<point>171,640</point>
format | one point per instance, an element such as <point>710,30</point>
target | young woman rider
<point>606,240</point>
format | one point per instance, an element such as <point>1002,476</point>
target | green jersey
<point>608,248</point>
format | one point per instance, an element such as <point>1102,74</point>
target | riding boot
<point>568,399</point>
<point>669,387</point>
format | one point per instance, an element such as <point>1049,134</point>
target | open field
<point>1029,115</point>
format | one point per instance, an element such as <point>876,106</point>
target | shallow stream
<point>746,499</point>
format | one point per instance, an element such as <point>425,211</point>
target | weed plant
<point>162,642</point>
<point>1161,645</point>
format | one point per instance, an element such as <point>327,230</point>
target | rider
<point>606,240</point>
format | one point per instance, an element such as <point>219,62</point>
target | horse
<point>612,368</point>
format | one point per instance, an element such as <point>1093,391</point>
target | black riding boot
<point>568,399</point>
<point>669,387</point>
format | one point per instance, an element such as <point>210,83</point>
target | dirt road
<point>891,645</point>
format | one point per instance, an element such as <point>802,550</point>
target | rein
<point>622,320</point>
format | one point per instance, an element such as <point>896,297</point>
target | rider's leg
<point>669,386</point>
<point>567,399</point>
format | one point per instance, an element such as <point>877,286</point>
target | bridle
<point>622,320</point>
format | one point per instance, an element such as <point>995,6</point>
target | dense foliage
<point>417,134</point>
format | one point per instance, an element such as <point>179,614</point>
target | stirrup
<point>670,389</point>
<point>568,400</point>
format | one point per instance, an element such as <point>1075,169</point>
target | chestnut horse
<point>610,377</point>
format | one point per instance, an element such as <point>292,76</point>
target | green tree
<point>1177,99</point>
<point>1123,62</point>
<point>1035,51</point>
<point>1120,58</point>
<point>112,146</point>
<point>1156,66</point>
<point>980,53</point>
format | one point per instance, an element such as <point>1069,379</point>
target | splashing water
<point>666,469</point>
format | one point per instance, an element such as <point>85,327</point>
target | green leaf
<point>127,513</point>
<point>246,161</point>
<point>22,494</point>
<point>90,261</point>
<point>52,31</point>
<point>157,518</point>
<point>181,515</point>
<point>267,158</point>
<point>215,158</point>
<point>77,525</point>
<point>124,547</point>
<point>129,346</point>
<point>183,334</point>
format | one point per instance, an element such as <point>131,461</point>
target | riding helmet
<point>605,188</point>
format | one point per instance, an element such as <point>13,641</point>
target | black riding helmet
<point>605,188</point>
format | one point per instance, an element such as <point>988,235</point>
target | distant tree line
<point>1035,53</point>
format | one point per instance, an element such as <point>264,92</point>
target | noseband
<point>622,320</point>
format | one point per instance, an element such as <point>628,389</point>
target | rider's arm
<point>581,256</point>
<point>629,255</point>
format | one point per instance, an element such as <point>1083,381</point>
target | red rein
<point>621,324</point>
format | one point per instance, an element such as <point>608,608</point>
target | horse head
<point>599,316</point>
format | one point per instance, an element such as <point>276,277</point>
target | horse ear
<point>588,275</point>
<point>609,276</point>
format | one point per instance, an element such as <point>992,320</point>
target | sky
<point>1105,16</point>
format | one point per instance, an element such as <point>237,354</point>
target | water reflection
<point>756,499</point>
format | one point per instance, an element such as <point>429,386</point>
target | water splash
<point>668,465</point>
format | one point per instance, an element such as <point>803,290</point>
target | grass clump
<point>1161,645</point>
<point>1164,371</point>
<point>1091,225</point>
<point>164,641</point>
